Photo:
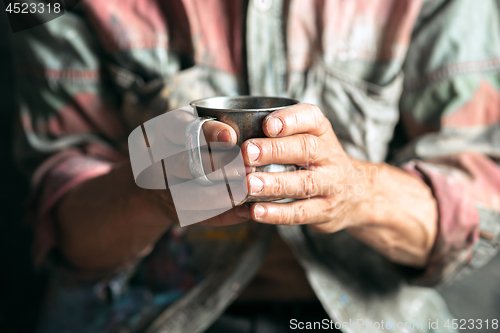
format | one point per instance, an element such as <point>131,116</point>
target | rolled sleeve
<point>70,129</point>
<point>450,111</point>
<point>466,192</point>
<point>51,182</point>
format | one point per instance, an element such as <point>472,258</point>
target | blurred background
<point>21,287</point>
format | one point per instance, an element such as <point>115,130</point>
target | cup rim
<point>199,103</point>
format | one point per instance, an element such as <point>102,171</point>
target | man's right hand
<point>193,200</point>
<point>109,221</point>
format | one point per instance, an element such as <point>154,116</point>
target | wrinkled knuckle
<point>301,214</point>
<point>296,121</point>
<point>284,216</point>
<point>277,149</point>
<point>278,186</point>
<point>313,148</point>
<point>314,109</point>
<point>309,147</point>
<point>317,115</point>
<point>309,184</point>
<point>303,144</point>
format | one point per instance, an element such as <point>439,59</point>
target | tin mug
<point>245,115</point>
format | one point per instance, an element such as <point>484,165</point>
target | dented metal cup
<point>245,115</point>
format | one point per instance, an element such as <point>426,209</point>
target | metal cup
<point>245,115</point>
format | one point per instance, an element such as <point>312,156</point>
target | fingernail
<point>256,185</point>
<point>259,211</point>
<point>243,212</point>
<point>223,136</point>
<point>274,126</point>
<point>253,152</point>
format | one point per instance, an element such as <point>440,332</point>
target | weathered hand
<point>383,206</point>
<point>333,184</point>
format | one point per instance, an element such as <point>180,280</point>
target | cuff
<point>458,223</point>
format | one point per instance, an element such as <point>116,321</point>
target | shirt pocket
<point>363,114</point>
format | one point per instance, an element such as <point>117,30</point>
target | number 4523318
<point>471,324</point>
<point>32,8</point>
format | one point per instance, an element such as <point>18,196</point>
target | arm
<point>108,220</point>
<point>450,109</point>
<point>402,216</point>
<point>69,123</point>
<point>83,200</point>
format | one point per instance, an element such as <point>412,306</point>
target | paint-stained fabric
<point>86,79</point>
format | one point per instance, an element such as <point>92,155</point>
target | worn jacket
<point>89,77</point>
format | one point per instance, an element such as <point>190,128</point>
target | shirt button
<point>263,5</point>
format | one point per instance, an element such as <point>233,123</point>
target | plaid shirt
<point>86,79</point>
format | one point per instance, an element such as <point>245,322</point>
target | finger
<point>296,184</point>
<point>300,149</point>
<point>316,210</point>
<point>225,165</point>
<point>300,118</point>
<point>174,127</point>
<point>234,216</point>
<point>215,131</point>
<point>191,196</point>
<point>218,165</point>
